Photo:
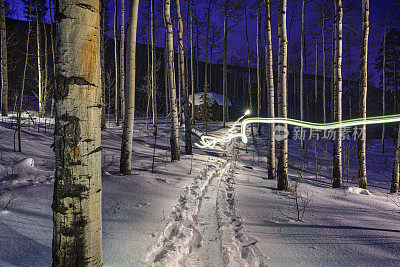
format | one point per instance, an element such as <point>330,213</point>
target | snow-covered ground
<point>211,209</point>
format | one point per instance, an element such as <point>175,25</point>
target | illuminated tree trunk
<point>129,118</point>
<point>53,58</point>
<point>248,66</point>
<point>282,91</point>
<point>153,73</point>
<point>396,167</point>
<point>191,58</point>
<point>39,62</point>
<point>122,61</point>
<point>116,102</point>
<point>186,105</point>
<point>225,68</point>
<point>76,204</point>
<point>269,70</point>
<point>302,71</point>
<point>362,161</point>
<point>323,66</point>
<point>4,74</point>
<point>171,69</point>
<point>45,68</point>
<point>337,144</point>
<point>259,96</point>
<point>383,90</point>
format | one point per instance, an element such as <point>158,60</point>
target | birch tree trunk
<point>122,61</point>
<point>174,103</point>
<point>53,58</point>
<point>302,71</point>
<point>116,102</point>
<point>39,62</point>
<point>362,161</point>
<point>191,59</point>
<point>129,117</point>
<point>225,66</point>
<point>76,204</point>
<point>337,144</point>
<point>323,66</point>
<point>153,73</point>
<point>383,90</point>
<point>282,101</point>
<point>248,67</point>
<point>258,68</point>
<point>207,43</point>
<point>4,74</point>
<point>333,104</point>
<point>269,70</point>
<point>45,67</point>
<point>316,76</point>
<point>186,104</point>
<point>396,167</point>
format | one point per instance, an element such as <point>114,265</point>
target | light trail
<point>210,141</point>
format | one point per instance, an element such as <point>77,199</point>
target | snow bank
<point>358,191</point>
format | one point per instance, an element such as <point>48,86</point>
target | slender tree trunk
<point>282,98</point>
<point>21,100</point>
<point>129,118</point>
<point>4,73</point>
<point>76,204</point>
<point>45,67</point>
<point>191,58</point>
<point>316,76</point>
<point>53,58</point>
<point>269,70</point>
<point>337,144</point>
<point>362,161</point>
<point>302,71</point>
<point>102,65</point>
<point>259,96</point>
<point>122,61</point>
<point>333,104</point>
<point>153,70</point>
<point>116,102</point>
<point>248,67</point>
<point>348,79</point>
<point>383,90</point>
<point>323,66</point>
<point>174,103</point>
<point>39,62</point>
<point>207,42</point>
<point>179,89</point>
<point>396,167</point>
<point>225,66</point>
<point>166,73</point>
<point>186,104</point>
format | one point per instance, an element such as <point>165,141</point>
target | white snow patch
<point>358,191</point>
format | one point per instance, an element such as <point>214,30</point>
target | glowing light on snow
<point>210,141</point>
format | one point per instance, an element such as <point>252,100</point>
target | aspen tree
<point>4,74</point>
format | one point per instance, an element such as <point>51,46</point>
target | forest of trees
<point>87,63</point>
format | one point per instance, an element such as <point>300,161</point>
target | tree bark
<point>225,66</point>
<point>323,66</point>
<point>171,69</point>
<point>76,204</point>
<point>207,42</point>
<point>248,67</point>
<point>191,59</point>
<point>39,62</point>
<point>269,70</point>
<point>116,102</point>
<point>383,90</point>
<point>282,95</point>
<point>337,144</point>
<point>102,65</point>
<point>302,71</point>
<point>316,76</point>
<point>186,104</point>
<point>4,69</point>
<point>259,96</point>
<point>130,86</point>
<point>362,161</point>
<point>122,61</point>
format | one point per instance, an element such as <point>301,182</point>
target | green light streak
<point>210,141</point>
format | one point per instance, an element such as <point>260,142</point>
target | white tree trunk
<point>171,69</point>
<point>76,204</point>
<point>129,118</point>
<point>259,96</point>
<point>116,102</point>
<point>269,70</point>
<point>316,75</point>
<point>362,161</point>
<point>191,58</point>
<point>225,67</point>
<point>282,96</point>
<point>186,105</point>
<point>383,90</point>
<point>4,74</point>
<point>122,60</point>
<point>323,66</point>
<point>337,144</point>
<point>39,62</point>
<point>302,69</point>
